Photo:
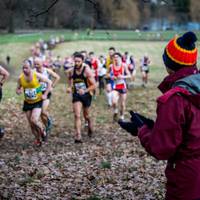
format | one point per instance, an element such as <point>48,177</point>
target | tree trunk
<point>11,28</point>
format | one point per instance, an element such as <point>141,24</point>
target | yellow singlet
<point>32,89</point>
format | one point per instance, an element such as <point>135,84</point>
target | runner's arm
<point>108,69</point>
<point>55,76</point>
<point>46,80</point>
<point>5,74</point>
<point>127,73</point>
<point>19,87</point>
<point>69,81</point>
<point>90,76</point>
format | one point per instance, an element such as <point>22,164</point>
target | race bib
<point>145,67</point>
<point>43,86</point>
<point>119,82</point>
<point>79,86</point>
<point>30,94</point>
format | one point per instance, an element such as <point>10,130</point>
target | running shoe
<point>44,136</point>
<point>78,141</point>
<point>115,117</point>
<point>37,143</point>
<point>49,124</point>
<point>90,132</point>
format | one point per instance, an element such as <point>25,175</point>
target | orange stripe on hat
<point>180,55</point>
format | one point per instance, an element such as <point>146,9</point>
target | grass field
<point>89,35</point>
<point>111,165</point>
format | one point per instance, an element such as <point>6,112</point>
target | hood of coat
<point>169,80</point>
<point>191,84</point>
<point>186,78</point>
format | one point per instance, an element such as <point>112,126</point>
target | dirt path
<point>111,165</point>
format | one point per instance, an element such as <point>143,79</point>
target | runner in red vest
<point>119,73</point>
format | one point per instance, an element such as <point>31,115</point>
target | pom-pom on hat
<point>181,52</point>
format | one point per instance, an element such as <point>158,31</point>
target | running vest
<point>32,89</point>
<point>145,64</point>
<point>44,84</point>
<point>79,81</point>
<point>119,84</point>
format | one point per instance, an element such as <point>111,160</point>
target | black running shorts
<point>85,99</point>
<point>31,106</point>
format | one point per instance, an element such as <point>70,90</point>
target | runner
<point>118,73</point>
<point>81,83</point>
<point>48,73</point>
<point>29,82</point>
<point>109,61</point>
<point>4,76</point>
<point>132,67</point>
<point>68,64</point>
<point>145,61</point>
<point>101,73</point>
<point>94,67</point>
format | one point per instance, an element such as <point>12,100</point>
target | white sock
<point>122,117</point>
<point>116,110</point>
<point>109,98</point>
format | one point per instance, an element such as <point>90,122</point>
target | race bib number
<point>119,82</point>
<point>79,86</point>
<point>145,67</point>
<point>30,94</point>
<point>43,86</point>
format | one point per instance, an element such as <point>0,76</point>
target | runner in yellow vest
<point>29,82</point>
<point>109,61</point>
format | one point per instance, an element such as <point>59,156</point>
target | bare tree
<point>10,6</point>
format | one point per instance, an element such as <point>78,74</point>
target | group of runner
<point>84,72</point>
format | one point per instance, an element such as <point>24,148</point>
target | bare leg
<point>87,118</point>
<point>77,106</point>
<point>122,105</point>
<point>28,116</point>
<point>115,98</point>
<point>35,121</point>
<point>45,114</point>
<point>109,94</point>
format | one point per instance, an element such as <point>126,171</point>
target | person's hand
<point>140,120</point>
<point>44,96</point>
<point>113,78</point>
<point>130,127</point>
<point>120,77</point>
<point>19,91</point>
<point>81,91</point>
<point>69,90</point>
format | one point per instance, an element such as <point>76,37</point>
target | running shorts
<point>85,99</point>
<point>121,91</point>
<point>31,106</point>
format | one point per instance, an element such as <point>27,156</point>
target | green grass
<point>89,35</point>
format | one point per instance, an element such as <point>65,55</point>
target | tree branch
<point>35,15</point>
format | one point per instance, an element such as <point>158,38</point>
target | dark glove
<point>1,132</point>
<point>140,120</point>
<point>0,93</point>
<point>130,127</point>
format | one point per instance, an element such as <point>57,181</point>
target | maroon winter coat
<point>176,134</point>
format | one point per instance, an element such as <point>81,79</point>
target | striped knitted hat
<point>181,52</point>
